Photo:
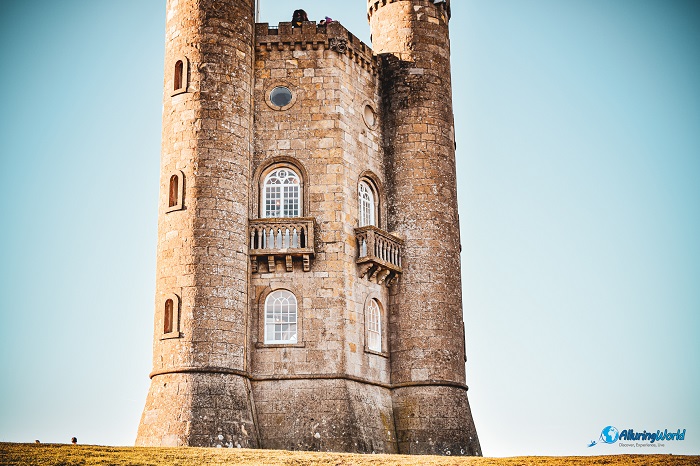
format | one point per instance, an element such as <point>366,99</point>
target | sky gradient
<point>578,159</point>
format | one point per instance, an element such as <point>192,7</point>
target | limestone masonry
<point>308,286</point>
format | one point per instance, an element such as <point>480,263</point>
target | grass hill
<point>21,454</point>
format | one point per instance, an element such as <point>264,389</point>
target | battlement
<point>374,5</point>
<point>314,36</point>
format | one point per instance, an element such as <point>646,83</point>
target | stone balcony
<point>379,254</point>
<point>281,238</point>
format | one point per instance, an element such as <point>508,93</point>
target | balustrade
<point>379,254</point>
<point>281,237</point>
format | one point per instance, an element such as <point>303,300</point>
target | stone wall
<point>427,350</point>
<point>323,135</point>
<point>202,246</point>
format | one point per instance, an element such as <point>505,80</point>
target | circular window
<point>370,116</point>
<point>281,96</point>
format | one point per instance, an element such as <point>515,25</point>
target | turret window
<point>180,79</point>
<point>171,317</point>
<point>176,191</point>
<point>280,318</point>
<point>281,194</point>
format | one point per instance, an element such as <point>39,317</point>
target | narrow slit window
<point>171,317</point>
<point>179,69</point>
<point>180,78</point>
<point>168,318</point>
<point>176,191</point>
<point>173,191</point>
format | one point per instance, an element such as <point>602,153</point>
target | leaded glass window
<point>281,194</point>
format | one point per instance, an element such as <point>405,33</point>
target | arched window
<point>367,205</point>
<point>374,326</point>
<point>180,78</point>
<point>281,194</point>
<point>171,317</point>
<point>172,192</point>
<point>176,191</point>
<point>280,317</point>
<point>168,317</point>
<point>177,81</point>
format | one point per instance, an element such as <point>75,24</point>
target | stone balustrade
<point>284,238</point>
<point>379,254</point>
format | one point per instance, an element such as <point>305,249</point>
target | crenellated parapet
<point>312,36</point>
<point>376,4</point>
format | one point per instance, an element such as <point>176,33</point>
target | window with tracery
<point>366,203</point>
<point>280,317</point>
<point>282,194</point>
<point>374,326</point>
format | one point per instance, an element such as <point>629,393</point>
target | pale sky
<point>578,147</point>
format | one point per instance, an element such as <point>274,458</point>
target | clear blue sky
<point>578,132</point>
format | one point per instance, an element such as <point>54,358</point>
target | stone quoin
<point>308,291</point>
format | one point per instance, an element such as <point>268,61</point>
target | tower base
<point>198,409</point>
<point>434,420</point>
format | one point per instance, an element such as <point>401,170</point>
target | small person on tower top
<point>298,17</point>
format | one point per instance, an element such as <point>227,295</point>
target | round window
<point>281,96</point>
<point>370,116</point>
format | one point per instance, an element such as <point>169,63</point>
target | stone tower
<point>308,285</point>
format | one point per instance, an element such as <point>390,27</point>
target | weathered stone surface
<point>381,117</point>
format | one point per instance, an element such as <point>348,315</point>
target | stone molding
<point>275,377</point>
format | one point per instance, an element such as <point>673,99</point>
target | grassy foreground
<point>28,454</point>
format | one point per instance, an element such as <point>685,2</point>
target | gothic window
<point>281,194</point>
<point>280,317</point>
<point>171,317</point>
<point>180,76</point>
<point>374,326</point>
<point>366,201</point>
<point>176,191</point>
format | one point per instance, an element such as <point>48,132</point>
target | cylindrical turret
<point>426,330</point>
<point>198,396</point>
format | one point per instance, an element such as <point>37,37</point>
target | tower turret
<point>431,409</point>
<point>197,395</point>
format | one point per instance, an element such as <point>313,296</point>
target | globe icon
<point>609,435</point>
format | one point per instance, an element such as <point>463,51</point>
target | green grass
<point>29,454</point>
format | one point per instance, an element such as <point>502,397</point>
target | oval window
<point>281,96</point>
<point>370,116</point>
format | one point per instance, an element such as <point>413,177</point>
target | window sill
<point>382,354</point>
<point>259,345</point>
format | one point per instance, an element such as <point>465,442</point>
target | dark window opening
<point>168,320</point>
<point>179,68</point>
<point>173,192</point>
<point>281,96</point>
